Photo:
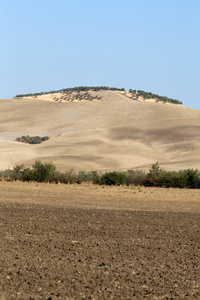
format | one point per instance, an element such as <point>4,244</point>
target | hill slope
<point>113,132</point>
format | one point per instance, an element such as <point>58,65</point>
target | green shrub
<point>32,139</point>
<point>182,179</point>
<point>113,178</point>
<point>35,141</point>
<point>6,174</point>
<point>193,178</point>
<point>42,172</point>
<point>177,179</point>
<point>83,176</point>
<point>17,172</point>
<point>94,177</point>
<point>27,175</point>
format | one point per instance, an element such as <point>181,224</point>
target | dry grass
<point>109,134</point>
<point>89,196</point>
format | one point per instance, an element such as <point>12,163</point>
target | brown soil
<point>94,242</point>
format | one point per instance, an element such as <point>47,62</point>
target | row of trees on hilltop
<point>147,95</point>
<point>74,89</point>
<point>92,88</point>
<point>135,93</point>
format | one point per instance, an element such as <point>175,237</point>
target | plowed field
<point>94,242</point>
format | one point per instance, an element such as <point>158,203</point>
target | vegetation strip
<point>74,89</point>
<point>155,177</point>
<point>147,95</point>
<point>68,91</point>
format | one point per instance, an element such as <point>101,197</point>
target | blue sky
<point>151,45</point>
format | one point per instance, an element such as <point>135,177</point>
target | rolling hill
<point>109,131</point>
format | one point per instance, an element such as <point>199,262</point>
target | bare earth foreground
<point>94,242</point>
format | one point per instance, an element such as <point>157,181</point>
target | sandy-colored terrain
<point>90,196</point>
<point>115,132</point>
<point>93,242</point>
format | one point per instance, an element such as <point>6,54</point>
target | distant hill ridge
<point>116,130</point>
<point>135,94</point>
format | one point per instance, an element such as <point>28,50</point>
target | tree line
<point>155,177</point>
<point>147,95</point>
<point>135,93</point>
<point>74,89</point>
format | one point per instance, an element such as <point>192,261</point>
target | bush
<point>83,176</point>
<point>32,139</point>
<point>182,179</point>
<point>193,179</point>
<point>67,177</point>
<point>152,178</point>
<point>5,174</point>
<point>70,177</point>
<point>58,177</point>
<point>17,172</point>
<point>175,179</point>
<point>135,177</point>
<point>113,178</point>
<point>92,176</point>
<point>42,172</point>
<point>27,175</point>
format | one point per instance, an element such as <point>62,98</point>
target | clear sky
<point>151,45</point>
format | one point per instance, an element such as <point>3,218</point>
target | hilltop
<point>100,129</point>
<point>84,93</point>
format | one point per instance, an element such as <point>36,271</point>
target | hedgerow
<point>155,177</point>
<point>177,179</point>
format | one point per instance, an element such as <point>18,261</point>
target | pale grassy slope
<point>113,133</point>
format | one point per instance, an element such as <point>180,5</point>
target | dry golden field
<point>112,133</point>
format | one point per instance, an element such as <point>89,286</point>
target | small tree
<point>154,170</point>
<point>193,178</point>
<point>42,172</point>
<point>17,172</point>
<point>153,175</point>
